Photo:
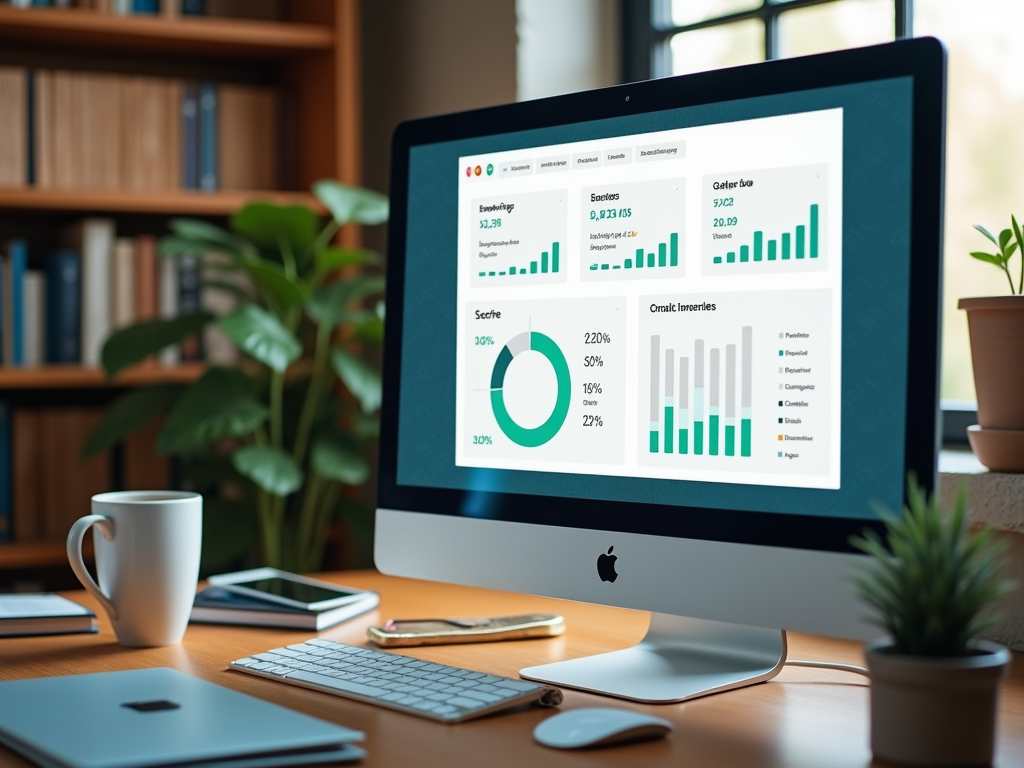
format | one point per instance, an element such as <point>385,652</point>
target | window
<point>985,146</point>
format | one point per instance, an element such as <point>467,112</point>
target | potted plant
<point>273,441</point>
<point>996,326</point>
<point>934,683</point>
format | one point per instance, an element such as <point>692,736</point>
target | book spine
<point>169,303</point>
<point>190,136</point>
<point>14,284</point>
<point>6,491</point>
<point>35,318</point>
<point>122,283</point>
<point>193,7</point>
<point>189,302</point>
<point>145,278</point>
<point>28,464</point>
<point>30,127</point>
<point>63,307</point>
<point>207,137</point>
<point>146,7</point>
<point>97,251</point>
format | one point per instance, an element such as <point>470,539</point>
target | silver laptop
<point>159,718</point>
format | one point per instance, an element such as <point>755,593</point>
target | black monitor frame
<point>922,59</point>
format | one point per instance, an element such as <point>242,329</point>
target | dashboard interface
<point>659,305</point>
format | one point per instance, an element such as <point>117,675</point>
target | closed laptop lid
<point>145,718</point>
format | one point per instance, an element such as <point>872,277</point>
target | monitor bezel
<point>921,59</point>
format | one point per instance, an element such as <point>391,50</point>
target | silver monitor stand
<point>680,658</point>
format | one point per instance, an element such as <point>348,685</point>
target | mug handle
<point>75,536</point>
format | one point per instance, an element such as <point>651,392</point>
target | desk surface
<point>804,717</point>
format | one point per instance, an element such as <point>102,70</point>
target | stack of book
<point>216,605</point>
<point>240,9</point>
<point>43,615</point>
<point>83,130</point>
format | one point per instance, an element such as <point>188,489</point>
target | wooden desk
<point>804,717</point>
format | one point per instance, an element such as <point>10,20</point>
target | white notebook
<point>43,615</point>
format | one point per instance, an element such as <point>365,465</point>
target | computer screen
<point>700,309</point>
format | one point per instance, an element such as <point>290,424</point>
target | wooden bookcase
<point>312,54</point>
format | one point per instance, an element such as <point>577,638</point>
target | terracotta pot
<point>996,325</point>
<point>935,712</point>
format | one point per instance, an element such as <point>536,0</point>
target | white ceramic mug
<point>147,558</point>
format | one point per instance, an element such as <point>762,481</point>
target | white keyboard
<point>437,691</point>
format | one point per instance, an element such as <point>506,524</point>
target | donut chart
<point>526,436</point>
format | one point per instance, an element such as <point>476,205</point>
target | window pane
<point>723,46</point>
<point>984,156</point>
<point>834,26</point>
<point>691,11</point>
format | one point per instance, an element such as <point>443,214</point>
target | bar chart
<point>765,221</point>
<point>518,239</point>
<point>743,383</point>
<point>633,230</point>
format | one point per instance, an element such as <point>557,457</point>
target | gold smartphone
<point>397,632</point>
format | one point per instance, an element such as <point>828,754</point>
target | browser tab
<point>586,160</point>
<point>515,168</point>
<point>551,164</point>
<point>669,150</point>
<point>618,156</point>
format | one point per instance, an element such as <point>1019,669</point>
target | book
<point>68,482</point>
<point>28,474</point>
<point>122,283</point>
<point>248,137</point>
<point>146,7</point>
<point>218,348</point>
<point>190,135</point>
<point>193,7</point>
<point>168,309</point>
<point>43,615</point>
<point>145,278</point>
<point>6,489</point>
<point>94,240</point>
<point>35,318</point>
<point>42,124</point>
<point>15,262</point>
<point>208,181</point>
<point>189,302</point>
<point>63,308</point>
<point>13,126</point>
<point>216,605</point>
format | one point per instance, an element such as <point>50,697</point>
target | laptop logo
<point>160,705</point>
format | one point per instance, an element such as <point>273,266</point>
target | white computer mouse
<point>598,727</point>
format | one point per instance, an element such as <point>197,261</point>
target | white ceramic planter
<point>935,712</point>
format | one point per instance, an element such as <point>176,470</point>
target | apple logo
<point>606,566</point>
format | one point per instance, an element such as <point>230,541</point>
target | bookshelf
<point>311,54</point>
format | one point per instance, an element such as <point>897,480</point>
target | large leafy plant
<point>278,437</point>
<point>1009,240</point>
<point>930,581</point>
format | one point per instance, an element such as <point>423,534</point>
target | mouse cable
<point>828,665</point>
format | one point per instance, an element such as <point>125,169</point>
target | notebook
<point>43,615</point>
<point>159,718</point>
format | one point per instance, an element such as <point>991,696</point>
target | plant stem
<point>1009,277</point>
<point>313,395</point>
<point>287,256</point>
<point>276,404</point>
<point>325,236</point>
<point>326,511</point>
<point>308,517</point>
<point>269,533</point>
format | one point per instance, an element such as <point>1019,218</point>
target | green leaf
<point>371,329</point>
<point>329,305</point>
<point>362,380</point>
<point>334,458</point>
<point>274,283</point>
<point>352,204</point>
<point>1004,238</point>
<point>270,468</point>
<point>269,225</point>
<point>262,336</point>
<point>220,404</point>
<point>233,289</point>
<point>988,258</point>
<point>330,259</point>
<point>128,413</point>
<point>229,531</point>
<point>986,233</point>
<point>137,342</point>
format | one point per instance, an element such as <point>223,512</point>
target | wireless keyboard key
<point>338,685</point>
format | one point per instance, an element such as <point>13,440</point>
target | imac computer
<point>668,346</point>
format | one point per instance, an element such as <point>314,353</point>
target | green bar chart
<point>765,221</point>
<point>518,239</point>
<point>633,230</point>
